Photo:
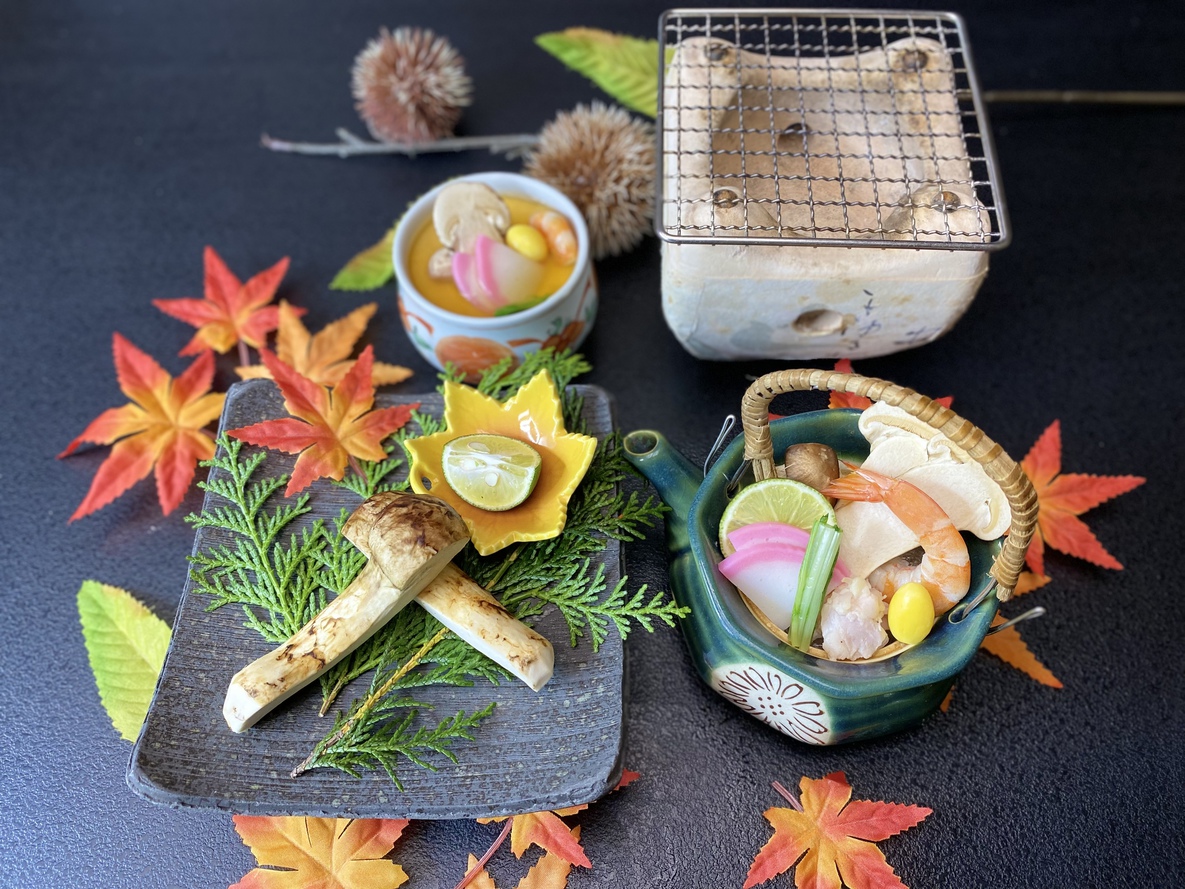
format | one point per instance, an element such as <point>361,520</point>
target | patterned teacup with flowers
<point>472,342</point>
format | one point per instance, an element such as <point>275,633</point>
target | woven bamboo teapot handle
<point>1001,468</point>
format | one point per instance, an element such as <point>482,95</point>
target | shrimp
<point>560,236</point>
<point>895,573</point>
<point>945,569</point>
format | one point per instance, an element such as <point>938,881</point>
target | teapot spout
<point>676,479</point>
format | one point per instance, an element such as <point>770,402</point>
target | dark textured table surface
<point>129,140</point>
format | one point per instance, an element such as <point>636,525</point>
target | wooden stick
<point>1087,97</point>
<point>352,146</point>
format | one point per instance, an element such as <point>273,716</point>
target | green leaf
<point>624,67</point>
<point>126,644</point>
<point>368,270</point>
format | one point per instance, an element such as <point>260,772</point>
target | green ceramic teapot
<point>809,698</point>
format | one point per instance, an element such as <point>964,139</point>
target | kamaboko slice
<point>508,276</point>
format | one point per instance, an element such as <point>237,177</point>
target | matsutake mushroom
<point>461,604</point>
<point>464,210</point>
<point>904,447</point>
<point>440,265</point>
<point>419,535</point>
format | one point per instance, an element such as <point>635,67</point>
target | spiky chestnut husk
<point>603,160</point>
<point>410,86</point>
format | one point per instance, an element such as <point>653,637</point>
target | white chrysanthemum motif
<point>776,699</point>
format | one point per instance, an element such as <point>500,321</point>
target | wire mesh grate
<point>824,127</point>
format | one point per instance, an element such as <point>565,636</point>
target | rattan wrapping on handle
<point>1002,469</point>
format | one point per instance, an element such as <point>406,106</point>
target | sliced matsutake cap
<point>464,210</point>
<point>904,447</point>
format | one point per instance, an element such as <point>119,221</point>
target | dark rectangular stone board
<point>558,747</point>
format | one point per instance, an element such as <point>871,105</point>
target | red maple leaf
<point>231,312</point>
<point>328,428</point>
<point>160,428</point>
<point>832,839</point>
<point>1062,497</point>
<point>847,399</point>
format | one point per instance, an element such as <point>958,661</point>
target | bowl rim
<point>505,183</point>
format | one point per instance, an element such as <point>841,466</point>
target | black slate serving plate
<point>558,747</point>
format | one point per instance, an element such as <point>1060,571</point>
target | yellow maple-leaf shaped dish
<point>533,415</point>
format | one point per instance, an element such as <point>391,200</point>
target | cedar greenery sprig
<point>261,571</point>
<point>366,735</point>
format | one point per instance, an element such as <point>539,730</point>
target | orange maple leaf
<point>231,312</point>
<point>848,399</point>
<point>161,428</point>
<point>328,428</point>
<point>1061,498</point>
<point>546,830</point>
<point>833,838</point>
<point>549,872</point>
<point>320,853</point>
<point>1029,581</point>
<point>323,357</point>
<point>1009,647</point>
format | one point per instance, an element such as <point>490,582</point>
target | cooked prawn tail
<point>859,484</point>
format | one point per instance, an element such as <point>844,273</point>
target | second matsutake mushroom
<point>907,448</point>
<point>409,540</point>
<point>811,463</point>
<point>461,604</point>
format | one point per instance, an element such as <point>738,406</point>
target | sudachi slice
<point>773,500</point>
<point>492,472</point>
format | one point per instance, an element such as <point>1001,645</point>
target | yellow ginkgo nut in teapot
<point>911,613</point>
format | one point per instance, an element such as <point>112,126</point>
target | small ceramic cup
<point>472,344</point>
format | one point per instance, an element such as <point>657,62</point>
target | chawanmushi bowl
<point>471,344</point>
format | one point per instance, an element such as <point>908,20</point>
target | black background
<point>129,140</point>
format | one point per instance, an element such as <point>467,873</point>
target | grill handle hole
<point>822,322</point>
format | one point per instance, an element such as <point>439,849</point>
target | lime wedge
<point>493,472</point>
<point>773,500</point>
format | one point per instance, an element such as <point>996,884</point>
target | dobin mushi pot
<point>809,698</point>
